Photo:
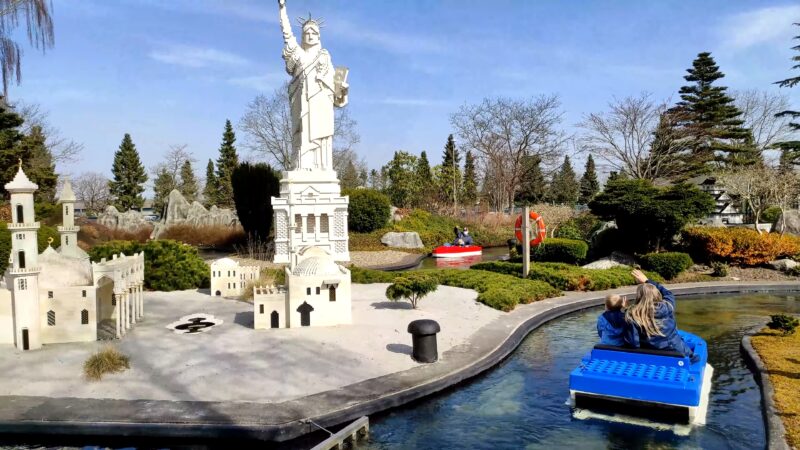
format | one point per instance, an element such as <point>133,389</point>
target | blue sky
<point>171,71</point>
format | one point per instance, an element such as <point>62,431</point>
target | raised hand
<point>639,276</point>
<point>281,3</point>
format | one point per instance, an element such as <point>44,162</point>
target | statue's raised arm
<point>286,26</point>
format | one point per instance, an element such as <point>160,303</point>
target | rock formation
<point>792,223</point>
<point>128,221</point>
<point>180,212</point>
<point>408,239</point>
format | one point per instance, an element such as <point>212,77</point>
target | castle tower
<point>68,230</point>
<point>22,276</point>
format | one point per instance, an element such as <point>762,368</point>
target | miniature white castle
<point>310,214</point>
<point>229,279</point>
<point>59,296</point>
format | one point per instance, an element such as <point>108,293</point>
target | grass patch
<point>568,277</point>
<point>106,361</point>
<point>781,356</point>
<point>496,290</point>
<point>214,236</point>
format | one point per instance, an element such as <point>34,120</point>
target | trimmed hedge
<point>567,277</point>
<point>741,246</point>
<point>495,290</point>
<point>570,251</point>
<point>168,265</point>
<point>667,264</point>
<point>368,210</point>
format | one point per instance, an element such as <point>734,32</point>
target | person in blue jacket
<point>611,324</point>
<point>651,319</point>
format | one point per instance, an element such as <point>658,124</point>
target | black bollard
<point>423,337</point>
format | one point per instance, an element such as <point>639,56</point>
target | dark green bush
<point>368,210</point>
<point>771,214</point>
<point>581,227</point>
<point>560,250</point>
<point>720,269</point>
<point>168,265</point>
<point>784,323</point>
<point>42,235</point>
<point>568,231</point>
<point>667,264</point>
<point>605,242</point>
<point>253,185</point>
<point>568,277</point>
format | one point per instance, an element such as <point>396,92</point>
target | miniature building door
<point>21,256</point>
<point>305,314</point>
<point>25,343</point>
<point>274,320</point>
<point>332,293</point>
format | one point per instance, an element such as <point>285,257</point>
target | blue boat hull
<point>634,378</point>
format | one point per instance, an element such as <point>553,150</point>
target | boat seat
<point>644,351</point>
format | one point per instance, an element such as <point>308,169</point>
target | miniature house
<point>725,213</point>
<point>59,296</point>
<point>229,279</point>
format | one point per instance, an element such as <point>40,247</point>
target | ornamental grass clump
<point>106,361</point>
<point>412,287</point>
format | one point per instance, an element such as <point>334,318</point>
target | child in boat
<point>651,319</point>
<point>611,324</point>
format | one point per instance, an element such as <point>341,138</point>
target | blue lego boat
<point>664,386</point>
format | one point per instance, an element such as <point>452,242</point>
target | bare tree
<point>502,132</point>
<point>754,186</point>
<point>267,124</point>
<point>62,149</point>
<point>759,109</point>
<point>785,190</point>
<point>39,25</point>
<point>173,161</point>
<point>91,188</point>
<point>626,137</point>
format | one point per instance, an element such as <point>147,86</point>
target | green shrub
<point>771,214</point>
<point>568,277</point>
<point>108,360</point>
<point>42,235</point>
<point>568,231</point>
<point>168,265</point>
<point>580,227</point>
<point>720,269</point>
<point>411,286</point>
<point>560,250</point>
<point>667,264</point>
<point>368,210</point>
<point>5,246</point>
<point>605,242</point>
<point>784,323</point>
<point>495,290</point>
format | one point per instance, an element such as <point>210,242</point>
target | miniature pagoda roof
<point>21,183</point>
<point>67,195</point>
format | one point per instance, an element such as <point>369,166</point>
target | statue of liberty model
<point>316,87</point>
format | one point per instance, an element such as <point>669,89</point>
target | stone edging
<point>775,432</point>
<point>401,266</point>
<point>288,420</point>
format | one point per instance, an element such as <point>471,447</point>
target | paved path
<point>284,420</point>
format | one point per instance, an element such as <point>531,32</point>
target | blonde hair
<point>643,312</point>
<point>614,302</point>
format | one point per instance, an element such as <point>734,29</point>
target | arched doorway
<point>274,320</point>
<point>305,314</point>
<point>332,293</point>
<point>218,293</point>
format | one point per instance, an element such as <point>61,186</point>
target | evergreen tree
<point>424,177</point>
<point>791,148</point>
<point>785,162</point>
<point>470,186</point>
<point>38,162</point>
<point>210,189</point>
<point>402,187</point>
<point>129,177</point>
<point>533,187</point>
<point>254,212</point>
<point>349,176</point>
<point>589,186</point>
<point>10,153</point>
<point>375,180</point>
<point>163,184</point>
<point>228,161</point>
<point>710,122</point>
<point>450,178</point>
<point>188,184</point>
<point>564,187</point>
<point>363,178</point>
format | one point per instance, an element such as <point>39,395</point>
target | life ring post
<point>526,242</point>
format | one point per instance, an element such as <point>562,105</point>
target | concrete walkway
<point>284,420</point>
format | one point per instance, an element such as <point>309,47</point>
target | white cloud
<point>759,26</point>
<point>260,83</point>
<point>196,57</point>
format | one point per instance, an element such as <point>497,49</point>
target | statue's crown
<point>309,21</point>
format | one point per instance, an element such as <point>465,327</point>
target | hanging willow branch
<point>39,24</point>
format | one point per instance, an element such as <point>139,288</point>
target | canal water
<point>488,254</point>
<point>521,404</point>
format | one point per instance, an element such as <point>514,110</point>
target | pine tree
<point>349,176</point>
<point>564,187</point>
<point>791,149</point>
<point>712,123</point>
<point>163,184</point>
<point>589,186</point>
<point>363,178</point>
<point>188,184</point>
<point>375,181</point>
<point>38,162</point>
<point>129,177</point>
<point>470,186</point>
<point>533,187</point>
<point>450,179</point>
<point>228,161</point>
<point>10,153</point>
<point>402,188</point>
<point>210,189</point>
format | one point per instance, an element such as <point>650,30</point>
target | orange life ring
<point>541,229</point>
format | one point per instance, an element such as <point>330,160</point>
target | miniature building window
<point>317,290</point>
<point>332,293</point>
<point>308,291</point>
<point>113,299</point>
<point>20,216</point>
<point>66,210</point>
<point>311,223</point>
<point>261,309</point>
<point>229,273</point>
<point>323,223</point>
<point>21,256</point>
<point>234,273</point>
<point>20,236</point>
<point>66,240</point>
<point>49,294</point>
<point>83,293</point>
<point>298,223</point>
<point>84,317</point>
<point>51,318</point>
<point>22,284</point>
